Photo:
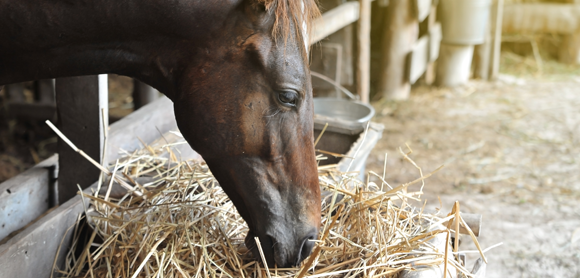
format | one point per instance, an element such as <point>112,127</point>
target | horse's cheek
<point>252,124</point>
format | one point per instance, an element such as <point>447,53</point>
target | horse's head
<point>245,104</point>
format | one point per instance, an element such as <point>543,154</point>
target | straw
<point>187,227</point>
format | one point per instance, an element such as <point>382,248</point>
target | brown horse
<point>236,71</point>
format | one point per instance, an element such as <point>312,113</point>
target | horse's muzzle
<point>282,251</point>
<point>306,247</point>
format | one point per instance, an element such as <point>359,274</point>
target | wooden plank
<point>540,18</point>
<point>31,253</point>
<point>363,65</point>
<point>422,9</point>
<point>143,94</point>
<point>334,20</point>
<point>34,110</point>
<point>80,102</point>
<point>26,196</point>
<point>497,28</point>
<point>419,59</point>
<point>147,124</point>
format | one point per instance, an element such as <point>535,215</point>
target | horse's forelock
<point>301,12</point>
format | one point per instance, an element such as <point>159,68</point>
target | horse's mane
<point>299,11</point>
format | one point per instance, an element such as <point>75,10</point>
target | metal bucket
<point>344,110</point>
<point>464,22</point>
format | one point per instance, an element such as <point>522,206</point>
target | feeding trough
<point>345,110</point>
<point>347,129</point>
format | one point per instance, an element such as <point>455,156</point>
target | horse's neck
<point>57,38</point>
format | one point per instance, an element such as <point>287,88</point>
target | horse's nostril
<point>307,246</point>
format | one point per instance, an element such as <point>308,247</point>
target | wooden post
<point>80,101</point>
<point>400,32</point>
<point>363,66</point>
<point>481,58</point>
<point>434,31</point>
<point>496,41</point>
<point>570,48</point>
<point>44,90</point>
<point>482,54</point>
<point>143,94</point>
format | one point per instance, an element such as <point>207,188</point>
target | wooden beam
<point>419,59</point>
<point>80,102</point>
<point>26,196</point>
<point>31,193</point>
<point>422,8</point>
<point>34,110</point>
<point>334,20</point>
<point>146,124</point>
<point>32,252</point>
<point>400,32</point>
<point>540,18</point>
<point>363,65</point>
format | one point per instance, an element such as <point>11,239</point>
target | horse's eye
<point>288,98</point>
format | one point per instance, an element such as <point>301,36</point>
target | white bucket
<point>464,21</point>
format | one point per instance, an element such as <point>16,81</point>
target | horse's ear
<point>258,5</point>
<point>258,12</point>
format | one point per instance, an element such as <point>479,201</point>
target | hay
<point>181,224</point>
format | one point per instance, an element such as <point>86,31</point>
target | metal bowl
<point>343,109</point>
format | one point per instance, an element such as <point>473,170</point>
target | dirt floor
<point>511,151</point>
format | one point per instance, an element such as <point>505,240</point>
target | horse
<point>236,71</point>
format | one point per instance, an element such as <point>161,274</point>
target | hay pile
<point>178,222</point>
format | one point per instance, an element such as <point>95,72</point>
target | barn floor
<point>511,151</point>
